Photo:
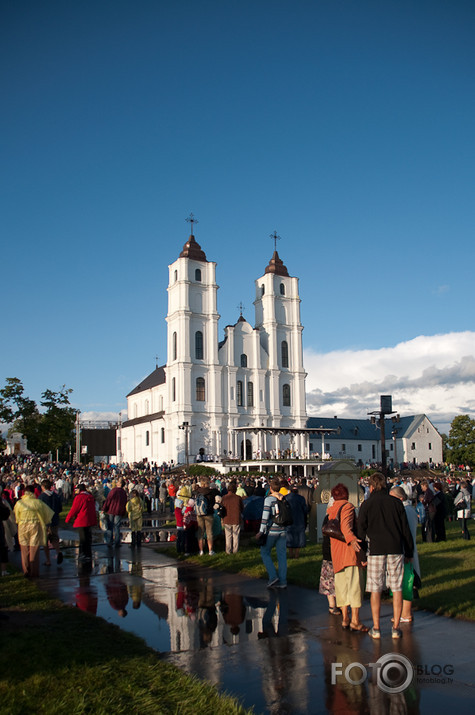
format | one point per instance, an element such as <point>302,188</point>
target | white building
<point>412,440</point>
<point>202,400</point>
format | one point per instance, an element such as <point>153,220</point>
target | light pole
<point>186,426</point>
<point>78,439</point>
<point>386,408</point>
<point>394,434</point>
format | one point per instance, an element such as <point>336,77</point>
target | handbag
<point>332,527</point>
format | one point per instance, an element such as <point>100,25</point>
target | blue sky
<point>345,126</point>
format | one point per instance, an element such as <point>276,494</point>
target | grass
<point>448,570</point>
<point>448,575</point>
<point>55,659</point>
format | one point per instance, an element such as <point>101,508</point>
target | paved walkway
<point>277,651</point>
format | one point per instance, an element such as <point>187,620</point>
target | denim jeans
<point>279,540</point>
<point>113,530</point>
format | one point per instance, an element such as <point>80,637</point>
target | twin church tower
<point>220,398</point>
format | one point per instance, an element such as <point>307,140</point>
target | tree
<point>13,404</point>
<point>20,412</point>
<point>53,430</point>
<point>58,422</point>
<point>461,442</point>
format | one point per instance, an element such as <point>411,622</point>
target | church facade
<point>240,397</point>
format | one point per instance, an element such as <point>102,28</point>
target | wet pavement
<point>279,651</point>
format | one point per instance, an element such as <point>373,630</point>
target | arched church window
<point>200,389</point>
<point>286,395</point>
<point>250,394</point>
<point>239,393</point>
<point>263,289</point>
<point>173,389</point>
<point>174,346</point>
<point>147,407</point>
<point>285,353</point>
<point>162,435</point>
<point>176,276</point>
<point>147,438</point>
<point>282,289</point>
<point>199,345</point>
<point>198,275</point>
<point>243,360</point>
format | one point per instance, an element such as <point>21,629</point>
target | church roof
<point>192,249</point>
<point>157,377</point>
<point>276,266</point>
<point>363,429</point>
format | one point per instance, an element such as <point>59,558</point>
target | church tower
<point>277,317</point>
<point>192,370</point>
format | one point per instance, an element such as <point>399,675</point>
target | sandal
<point>345,626</point>
<point>360,628</point>
<point>334,611</point>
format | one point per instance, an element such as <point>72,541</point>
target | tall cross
<point>241,308</point>
<point>191,219</point>
<point>276,238</point>
<point>156,360</point>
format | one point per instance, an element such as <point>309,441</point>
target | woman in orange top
<point>347,564</point>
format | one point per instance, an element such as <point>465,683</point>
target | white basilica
<point>241,397</point>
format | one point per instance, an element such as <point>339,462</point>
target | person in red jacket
<point>83,511</point>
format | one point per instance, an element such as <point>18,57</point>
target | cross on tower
<point>156,360</point>
<point>191,219</point>
<point>275,238</point>
<point>241,308</point>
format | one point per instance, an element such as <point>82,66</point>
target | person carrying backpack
<point>272,532</point>
<point>204,507</point>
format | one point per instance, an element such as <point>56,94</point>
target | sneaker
<point>375,633</point>
<point>59,560</point>
<point>396,633</point>
<point>281,585</point>
<point>201,553</point>
<point>273,583</point>
<point>212,553</point>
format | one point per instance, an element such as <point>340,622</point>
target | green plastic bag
<point>408,582</point>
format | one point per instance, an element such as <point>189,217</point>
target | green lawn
<point>59,660</point>
<point>448,575</point>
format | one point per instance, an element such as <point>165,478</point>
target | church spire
<point>192,249</point>
<point>276,265</point>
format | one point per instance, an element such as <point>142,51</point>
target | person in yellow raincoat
<point>32,516</point>
<point>135,512</point>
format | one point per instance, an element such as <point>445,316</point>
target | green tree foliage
<point>461,441</point>
<point>57,423</point>
<point>48,431</point>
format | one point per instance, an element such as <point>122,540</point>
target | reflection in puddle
<point>172,608</point>
<point>273,652</point>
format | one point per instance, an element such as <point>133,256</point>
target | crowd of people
<point>376,548</point>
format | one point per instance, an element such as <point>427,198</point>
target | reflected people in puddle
<point>117,594</point>
<point>86,597</point>
<point>208,616</point>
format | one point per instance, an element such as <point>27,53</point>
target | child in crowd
<point>180,527</point>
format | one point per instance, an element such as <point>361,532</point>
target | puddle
<point>275,650</point>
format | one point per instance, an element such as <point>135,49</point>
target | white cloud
<point>434,375</point>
